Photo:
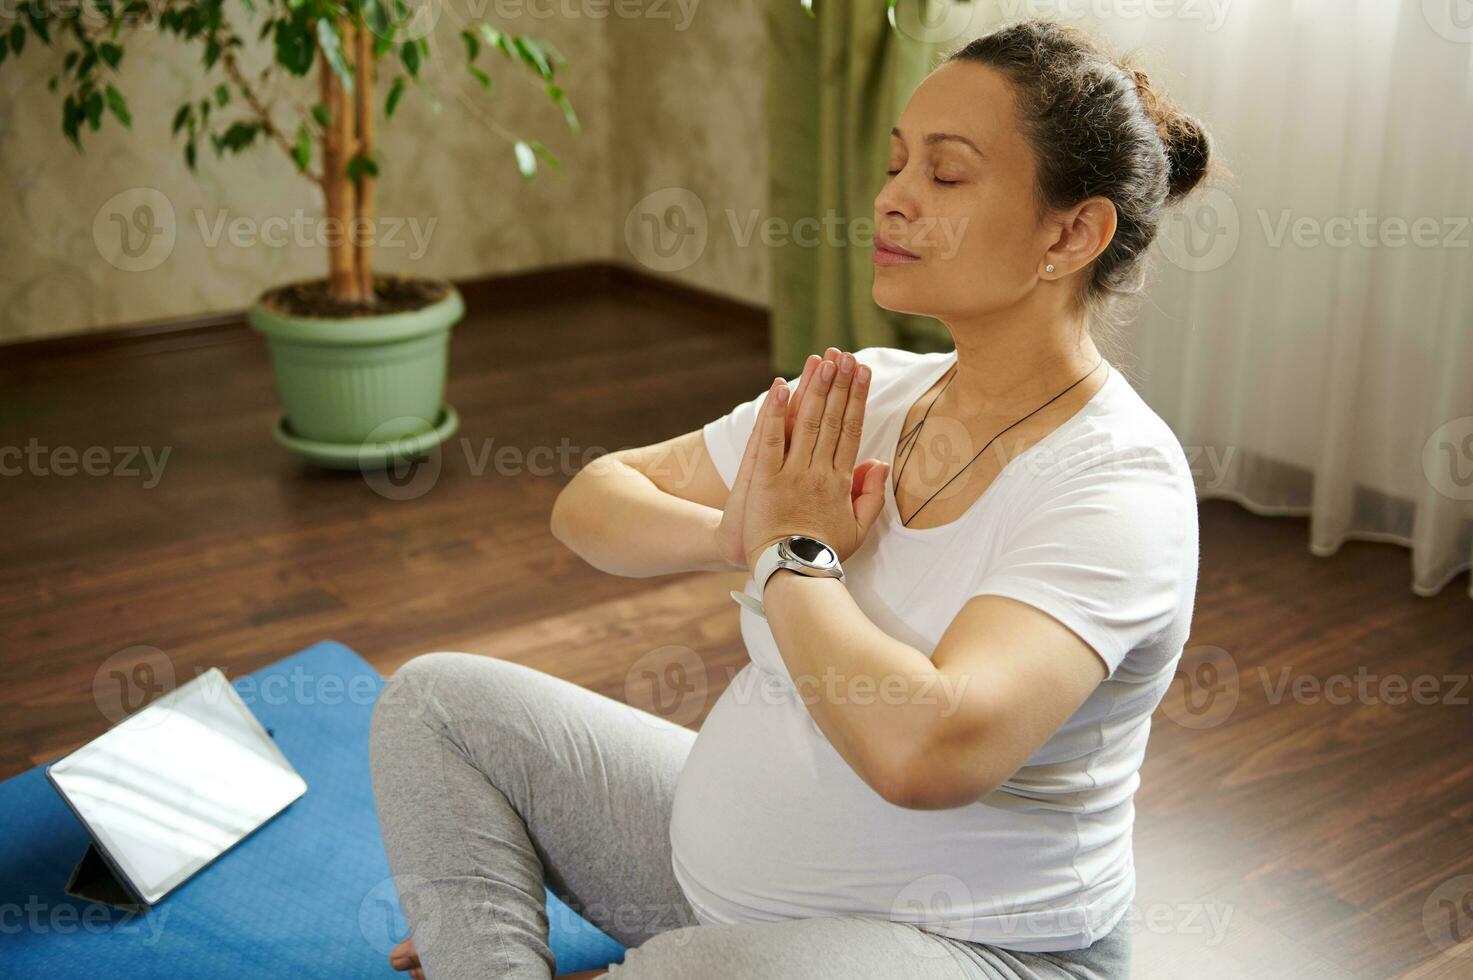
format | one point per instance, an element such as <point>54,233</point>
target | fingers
<point>770,443</point>
<point>869,499</point>
<point>809,366</point>
<point>844,418</point>
<point>810,414</point>
<point>749,455</point>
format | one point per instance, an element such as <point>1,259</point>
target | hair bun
<point>1188,147</point>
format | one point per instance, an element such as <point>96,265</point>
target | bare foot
<point>405,957</point>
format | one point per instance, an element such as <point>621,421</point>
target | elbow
<point>564,518</point>
<point>931,777</point>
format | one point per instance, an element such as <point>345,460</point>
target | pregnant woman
<point>972,574</point>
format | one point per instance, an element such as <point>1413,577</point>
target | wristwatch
<point>796,552</point>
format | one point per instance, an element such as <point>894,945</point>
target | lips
<point>888,252</point>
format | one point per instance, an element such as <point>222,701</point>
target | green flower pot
<point>362,391</point>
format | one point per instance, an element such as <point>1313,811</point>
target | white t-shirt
<point>1096,524</point>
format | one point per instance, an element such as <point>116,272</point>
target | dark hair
<point>1097,127</point>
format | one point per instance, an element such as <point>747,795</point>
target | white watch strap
<point>767,563</point>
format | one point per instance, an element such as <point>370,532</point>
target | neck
<point>1017,357</point>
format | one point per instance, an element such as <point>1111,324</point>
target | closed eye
<point>934,180</point>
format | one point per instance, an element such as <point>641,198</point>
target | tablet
<point>175,785</point>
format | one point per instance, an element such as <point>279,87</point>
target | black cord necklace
<point>916,429</point>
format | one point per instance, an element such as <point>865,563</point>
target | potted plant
<point>360,358</point>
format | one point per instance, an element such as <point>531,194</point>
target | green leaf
<point>239,136</point>
<point>561,101</point>
<point>118,106</point>
<point>212,53</point>
<point>38,24</point>
<point>322,114</point>
<point>472,45</point>
<point>409,54</point>
<point>531,52</point>
<point>295,47</point>
<point>181,117</point>
<point>93,107</point>
<point>479,76</point>
<point>17,39</point>
<point>250,6</point>
<point>302,149</point>
<point>526,160</point>
<point>71,120</point>
<point>395,92</point>
<point>553,54</point>
<point>266,28</point>
<point>545,154</point>
<point>222,95</point>
<point>376,15</point>
<point>66,64</point>
<point>496,39</point>
<point>359,166</point>
<point>110,53</point>
<point>332,50</point>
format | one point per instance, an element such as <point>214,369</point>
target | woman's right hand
<point>729,532</point>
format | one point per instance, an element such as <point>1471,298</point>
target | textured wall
<point>669,93</point>
<point>690,143</point>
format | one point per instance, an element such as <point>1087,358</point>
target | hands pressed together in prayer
<point>798,474</point>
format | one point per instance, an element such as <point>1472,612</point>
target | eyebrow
<point>934,138</point>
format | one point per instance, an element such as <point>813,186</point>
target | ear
<point>1085,231</point>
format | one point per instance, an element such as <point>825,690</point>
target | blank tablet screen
<point>177,784</point>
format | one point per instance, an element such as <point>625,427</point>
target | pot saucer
<point>368,455</point>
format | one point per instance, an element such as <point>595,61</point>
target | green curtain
<point>836,83</point>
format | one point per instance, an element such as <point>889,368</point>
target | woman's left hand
<point>811,487</point>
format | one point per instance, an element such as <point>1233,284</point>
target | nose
<point>895,201</point>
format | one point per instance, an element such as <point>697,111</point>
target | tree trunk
<point>338,147</point>
<point>363,84</point>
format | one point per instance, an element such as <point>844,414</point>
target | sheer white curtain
<point>1310,335</point>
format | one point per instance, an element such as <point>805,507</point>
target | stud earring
<point>1049,267</point>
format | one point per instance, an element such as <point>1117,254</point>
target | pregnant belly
<point>769,822</point>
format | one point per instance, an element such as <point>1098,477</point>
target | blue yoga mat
<point>307,895</point>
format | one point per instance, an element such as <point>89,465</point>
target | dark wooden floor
<point>1290,837</point>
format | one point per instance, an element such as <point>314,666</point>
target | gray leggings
<point>492,777</point>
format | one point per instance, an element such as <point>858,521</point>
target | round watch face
<point>812,551</point>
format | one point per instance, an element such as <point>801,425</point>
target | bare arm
<point>650,510</point>
<point>662,508</point>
